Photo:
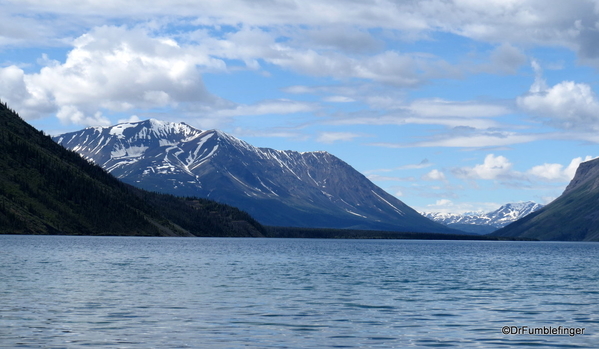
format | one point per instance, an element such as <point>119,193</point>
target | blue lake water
<point>128,292</point>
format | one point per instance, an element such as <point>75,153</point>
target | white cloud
<point>500,168</point>
<point>70,114</point>
<point>433,111</point>
<point>422,164</point>
<point>434,175</point>
<point>336,25</point>
<point>471,140</point>
<point>29,100</point>
<point>338,99</point>
<point>539,86</point>
<point>379,178</point>
<point>440,108</point>
<point>388,67</point>
<point>111,68</point>
<point>119,69</point>
<point>272,132</point>
<point>448,206</point>
<point>251,44</point>
<point>276,106</point>
<point>132,118</point>
<point>493,167</point>
<point>404,119</point>
<point>331,137</point>
<point>567,105</point>
<point>557,172</point>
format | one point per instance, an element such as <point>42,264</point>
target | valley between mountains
<point>278,188</point>
<point>46,189</point>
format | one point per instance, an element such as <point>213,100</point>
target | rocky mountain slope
<point>574,216</point>
<point>281,188</point>
<point>46,189</point>
<point>484,223</point>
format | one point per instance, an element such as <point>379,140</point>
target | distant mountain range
<point>574,216</point>
<point>484,223</point>
<point>46,189</point>
<point>278,188</point>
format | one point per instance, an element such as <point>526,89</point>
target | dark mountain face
<point>283,188</point>
<point>46,189</point>
<point>574,216</point>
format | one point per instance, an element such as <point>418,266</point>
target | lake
<point>134,292</point>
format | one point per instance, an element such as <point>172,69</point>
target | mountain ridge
<point>47,189</point>
<point>484,223</point>
<point>277,187</point>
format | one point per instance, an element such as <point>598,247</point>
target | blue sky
<point>451,106</point>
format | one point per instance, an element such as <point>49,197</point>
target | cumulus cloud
<point>119,69</point>
<point>493,167</point>
<point>557,172</point>
<point>69,114</point>
<point>110,68</point>
<point>132,118</point>
<point>434,175</point>
<point>17,90</point>
<point>500,168</point>
<point>566,105</point>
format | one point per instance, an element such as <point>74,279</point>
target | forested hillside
<point>46,189</point>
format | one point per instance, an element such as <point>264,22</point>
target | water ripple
<point>108,292</point>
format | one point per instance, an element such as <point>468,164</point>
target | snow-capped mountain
<point>286,188</point>
<point>485,222</point>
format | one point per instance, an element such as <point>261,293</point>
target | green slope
<point>46,189</point>
<point>574,216</point>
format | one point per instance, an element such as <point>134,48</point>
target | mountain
<point>484,223</point>
<point>279,188</point>
<point>574,216</point>
<point>46,189</point>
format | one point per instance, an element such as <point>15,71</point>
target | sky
<point>451,106</point>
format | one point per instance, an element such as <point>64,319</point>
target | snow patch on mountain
<point>118,130</point>
<point>278,187</point>
<point>499,218</point>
